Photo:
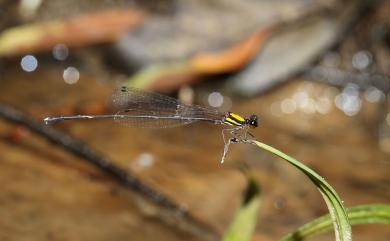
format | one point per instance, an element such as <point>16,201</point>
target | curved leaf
<point>364,214</point>
<point>336,208</point>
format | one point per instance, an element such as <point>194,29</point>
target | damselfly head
<point>252,121</point>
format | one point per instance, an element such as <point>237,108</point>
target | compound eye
<point>253,121</point>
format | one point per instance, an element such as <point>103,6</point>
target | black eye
<point>253,120</point>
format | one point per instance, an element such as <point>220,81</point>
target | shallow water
<point>51,195</point>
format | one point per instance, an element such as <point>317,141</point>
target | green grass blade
<point>364,214</point>
<point>336,208</point>
<point>244,223</point>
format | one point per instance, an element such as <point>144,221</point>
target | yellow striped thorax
<point>237,120</point>
<point>234,119</point>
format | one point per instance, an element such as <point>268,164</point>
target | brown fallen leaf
<point>233,58</point>
<point>169,77</point>
<point>98,27</point>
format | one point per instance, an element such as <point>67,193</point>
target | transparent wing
<point>151,118</point>
<point>128,97</point>
<point>152,110</point>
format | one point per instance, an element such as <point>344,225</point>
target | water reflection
<point>302,101</point>
<point>349,100</point>
<point>339,77</point>
<point>323,105</point>
<point>144,160</point>
<point>373,95</point>
<point>288,106</point>
<point>361,60</point>
<point>308,106</point>
<point>71,75</point>
<point>29,63</point>
<point>215,99</point>
<point>60,52</point>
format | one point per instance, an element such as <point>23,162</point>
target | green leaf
<point>336,208</point>
<point>244,223</point>
<point>364,214</point>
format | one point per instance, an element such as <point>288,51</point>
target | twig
<point>82,150</point>
<point>124,177</point>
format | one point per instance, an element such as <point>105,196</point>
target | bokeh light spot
<point>374,95</point>
<point>288,106</point>
<point>71,75</point>
<point>29,63</point>
<point>60,52</point>
<point>361,60</point>
<point>215,99</point>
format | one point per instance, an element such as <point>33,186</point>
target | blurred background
<point>316,72</point>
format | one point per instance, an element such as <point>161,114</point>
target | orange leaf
<point>230,59</point>
<point>99,27</point>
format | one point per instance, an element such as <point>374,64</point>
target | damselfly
<point>139,108</point>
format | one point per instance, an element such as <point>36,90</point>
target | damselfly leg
<point>226,147</point>
<point>237,135</point>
